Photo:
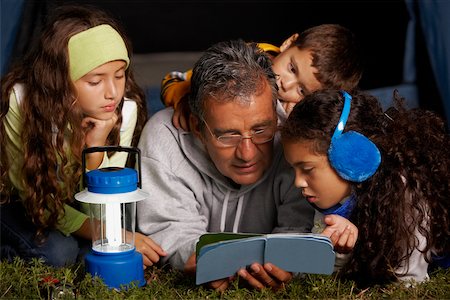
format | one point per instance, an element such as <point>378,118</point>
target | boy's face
<point>320,183</point>
<point>295,75</point>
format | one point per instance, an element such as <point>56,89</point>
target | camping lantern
<point>112,194</point>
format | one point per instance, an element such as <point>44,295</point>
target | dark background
<point>165,26</point>
<point>177,26</point>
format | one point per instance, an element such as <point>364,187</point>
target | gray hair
<point>230,71</point>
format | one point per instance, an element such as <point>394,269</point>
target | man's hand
<point>269,275</point>
<point>219,285</point>
<point>342,232</point>
<point>151,251</point>
<point>257,276</point>
<point>190,265</point>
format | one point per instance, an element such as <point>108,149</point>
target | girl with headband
<point>74,90</point>
<point>386,172</point>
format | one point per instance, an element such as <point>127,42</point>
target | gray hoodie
<point>189,196</point>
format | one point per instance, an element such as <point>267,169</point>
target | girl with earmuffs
<point>386,172</point>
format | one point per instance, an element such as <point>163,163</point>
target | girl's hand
<point>342,232</point>
<point>265,276</point>
<point>97,132</point>
<point>151,251</point>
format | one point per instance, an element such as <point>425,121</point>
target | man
<point>229,173</point>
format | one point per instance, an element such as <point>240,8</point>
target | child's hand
<point>97,131</point>
<point>342,232</point>
<point>288,106</point>
<point>151,251</point>
<point>288,42</point>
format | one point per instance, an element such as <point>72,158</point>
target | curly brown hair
<point>409,191</point>
<point>47,105</point>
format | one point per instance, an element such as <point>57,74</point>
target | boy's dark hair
<point>335,54</point>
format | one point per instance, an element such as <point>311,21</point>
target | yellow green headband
<point>94,47</point>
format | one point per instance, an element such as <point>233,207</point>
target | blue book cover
<point>220,255</point>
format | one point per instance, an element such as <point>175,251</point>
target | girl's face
<point>100,91</point>
<point>320,183</point>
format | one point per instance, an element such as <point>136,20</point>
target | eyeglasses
<point>259,136</point>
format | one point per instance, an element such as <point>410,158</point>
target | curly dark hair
<point>408,193</point>
<point>46,105</point>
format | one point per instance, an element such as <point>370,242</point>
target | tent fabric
<point>433,18</point>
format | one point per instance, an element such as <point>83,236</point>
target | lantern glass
<point>109,226</point>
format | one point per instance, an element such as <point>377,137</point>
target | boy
<point>323,56</point>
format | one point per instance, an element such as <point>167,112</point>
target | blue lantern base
<point>116,269</point>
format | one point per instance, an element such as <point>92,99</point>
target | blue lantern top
<point>112,180</point>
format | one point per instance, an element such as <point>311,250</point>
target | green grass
<point>20,280</point>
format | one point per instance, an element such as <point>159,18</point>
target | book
<point>220,255</point>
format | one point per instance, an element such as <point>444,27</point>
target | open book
<point>220,255</point>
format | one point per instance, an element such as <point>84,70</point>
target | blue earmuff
<point>353,156</point>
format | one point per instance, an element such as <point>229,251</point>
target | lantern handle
<point>114,149</point>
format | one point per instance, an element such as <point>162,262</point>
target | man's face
<point>295,74</point>
<point>246,162</point>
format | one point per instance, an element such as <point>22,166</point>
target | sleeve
<point>417,267</point>
<point>175,86</point>
<point>269,49</point>
<point>14,147</point>
<point>72,220</point>
<point>172,214</point>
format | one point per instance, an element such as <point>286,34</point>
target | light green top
<point>73,218</point>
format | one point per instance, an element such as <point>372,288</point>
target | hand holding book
<point>220,255</point>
